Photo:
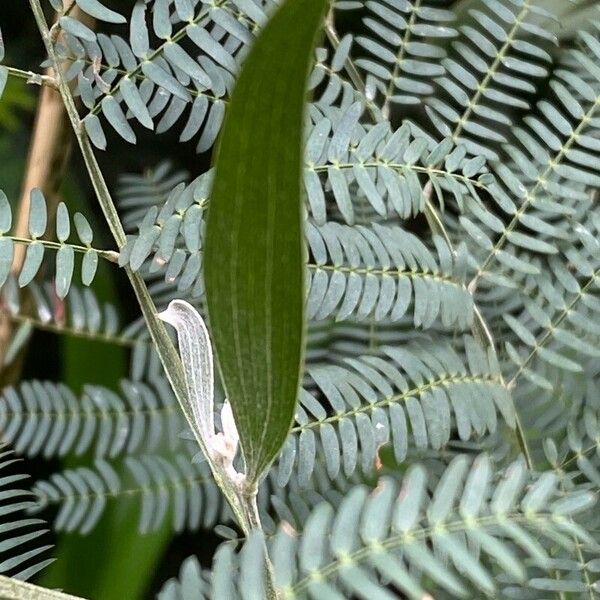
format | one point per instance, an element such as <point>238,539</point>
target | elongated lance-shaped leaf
<point>254,239</point>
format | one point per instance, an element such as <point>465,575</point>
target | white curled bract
<point>198,366</point>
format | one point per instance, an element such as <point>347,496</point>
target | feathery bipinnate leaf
<point>36,247</point>
<point>403,49</point>
<point>387,167</point>
<point>413,396</point>
<point>47,419</point>
<point>553,156</point>
<point>371,271</point>
<point>82,315</point>
<point>491,73</point>
<point>254,244</point>
<point>451,543</point>
<point>19,558</point>
<point>166,487</point>
<point>169,487</point>
<point>185,78</point>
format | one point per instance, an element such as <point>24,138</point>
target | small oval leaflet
<point>89,265</point>
<point>3,79</point>
<point>138,36</point>
<point>101,12</point>
<point>38,218</point>
<point>93,128</point>
<point>5,213</point>
<point>63,225</point>
<point>65,262</point>
<point>163,79</point>
<point>116,117</point>
<point>6,258</point>
<point>32,263</point>
<point>84,231</point>
<point>77,28</point>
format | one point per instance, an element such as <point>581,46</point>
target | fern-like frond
<point>576,456</point>
<point>47,419</point>
<point>354,271</point>
<point>493,68</point>
<point>80,315</point>
<point>330,83</point>
<point>177,487</point>
<point>575,465</point>
<point>36,247</point>
<point>546,413</point>
<point>137,193</point>
<point>182,57</point>
<point>403,49</point>
<point>421,391</point>
<point>555,310</point>
<point>378,271</point>
<point>20,552</point>
<point>569,574</point>
<point>388,542</point>
<point>384,166</point>
<point>554,154</point>
<point>172,488</point>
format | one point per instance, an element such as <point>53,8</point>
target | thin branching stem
<point>164,346</point>
<point>109,255</point>
<point>481,330</point>
<point>32,77</point>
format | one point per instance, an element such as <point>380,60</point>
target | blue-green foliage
<point>451,169</point>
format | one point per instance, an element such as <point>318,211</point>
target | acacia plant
<point>395,260</point>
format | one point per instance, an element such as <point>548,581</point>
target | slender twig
<point>481,330</point>
<point>69,9</point>
<point>109,255</point>
<point>237,498</point>
<point>32,77</point>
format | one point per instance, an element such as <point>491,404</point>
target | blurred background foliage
<point>94,566</point>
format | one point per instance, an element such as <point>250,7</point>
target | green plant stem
<point>108,255</point>
<point>245,513</point>
<point>31,77</point>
